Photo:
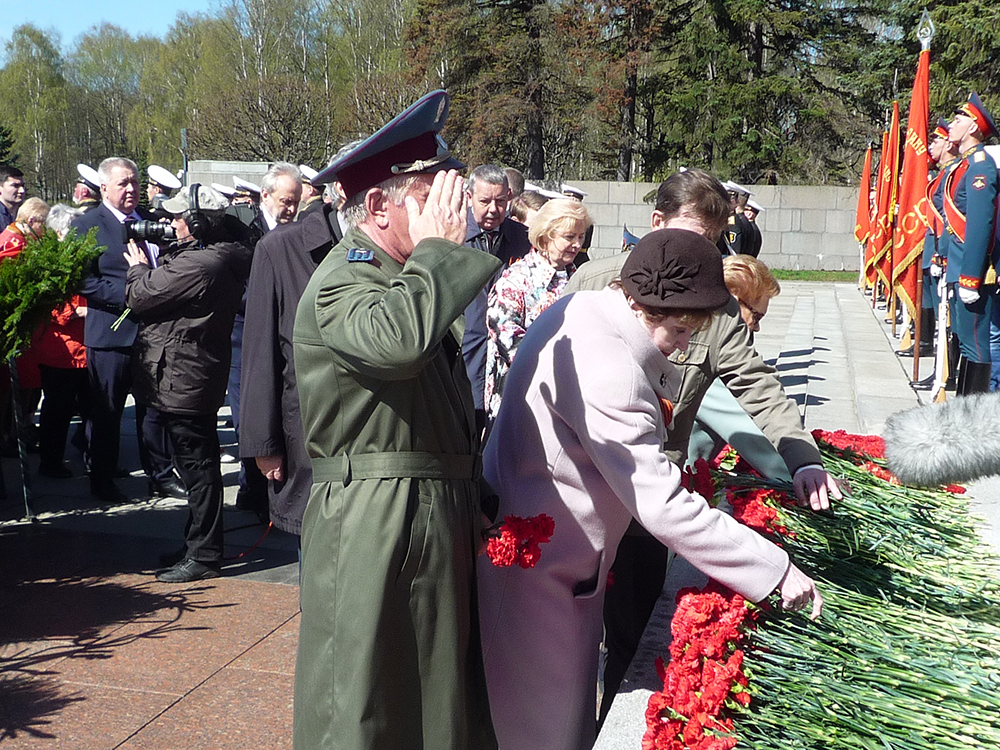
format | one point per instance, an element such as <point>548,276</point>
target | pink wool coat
<point>579,437</point>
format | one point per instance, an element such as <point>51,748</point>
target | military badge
<point>359,255</point>
<point>979,181</point>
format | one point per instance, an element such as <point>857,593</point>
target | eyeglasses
<point>754,315</point>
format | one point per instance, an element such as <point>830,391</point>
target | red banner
<point>863,216</point>
<point>870,254</point>
<point>888,186</point>
<point>911,220</point>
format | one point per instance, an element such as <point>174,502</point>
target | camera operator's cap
<point>408,144</point>
<point>308,173</point>
<point>89,177</point>
<point>224,189</point>
<point>162,178</point>
<point>246,188</point>
<point>755,206</point>
<point>573,192</point>
<point>975,109</point>
<point>941,131</point>
<point>731,186</point>
<point>675,268</point>
<point>209,201</point>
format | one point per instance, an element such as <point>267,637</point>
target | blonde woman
<point>530,285</point>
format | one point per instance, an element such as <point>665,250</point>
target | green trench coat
<point>389,653</point>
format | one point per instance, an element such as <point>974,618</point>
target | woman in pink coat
<point>578,436</point>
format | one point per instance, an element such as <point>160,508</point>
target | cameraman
<point>186,306</point>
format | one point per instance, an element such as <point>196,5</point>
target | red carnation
<point>517,540</point>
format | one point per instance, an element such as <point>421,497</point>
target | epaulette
<point>979,156</point>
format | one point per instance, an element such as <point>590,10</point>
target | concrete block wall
<point>803,227</point>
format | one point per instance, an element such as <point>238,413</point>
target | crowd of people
<point>364,321</point>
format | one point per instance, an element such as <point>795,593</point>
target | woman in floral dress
<point>530,286</point>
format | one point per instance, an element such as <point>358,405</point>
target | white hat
<point>160,176</point>
<point>542,191</point>
<point>209,201</point>
<point>730,185</point>
<point>574,191</point>
<point>225,190</point>
<point>308,173</point>
<point>89,176</point>
<point>242,186</point>
<point>755,206</point>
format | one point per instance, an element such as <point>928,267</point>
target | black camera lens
<point>152,231</point>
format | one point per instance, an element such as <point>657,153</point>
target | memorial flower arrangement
<point>904,656</point>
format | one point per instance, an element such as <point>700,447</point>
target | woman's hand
<point>797,590</point>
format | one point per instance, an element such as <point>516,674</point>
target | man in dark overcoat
<point>389,653</point>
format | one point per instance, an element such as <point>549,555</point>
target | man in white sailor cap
<point>87,191</point>
<point>312,195</point>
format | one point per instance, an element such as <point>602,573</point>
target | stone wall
<point>803,227</point>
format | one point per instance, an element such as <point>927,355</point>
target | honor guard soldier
<point>87,192</point>
<point>159,185</point>
<point>389,653</point>
<point>970,205</point>
<point>942,154</point>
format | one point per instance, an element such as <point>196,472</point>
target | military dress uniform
<point>971,190</point>
<point>389,650</point>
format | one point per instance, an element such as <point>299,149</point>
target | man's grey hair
<point>491,174</point>
<point>279,169</point>
<point>355,212</point>
<point>106,166</point>
<point>60,216</point>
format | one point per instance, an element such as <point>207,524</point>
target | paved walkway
<point>94,654</point>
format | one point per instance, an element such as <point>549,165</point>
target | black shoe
<point>108,493</point>
<point>170,487</point>
<point>923,385</point>
<point>926,350</point>
<point>188,570</point>
<point>54,470</point>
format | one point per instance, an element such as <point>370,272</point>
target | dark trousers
<point>637,575</point>
<point>66,392</point>
<point>971,323</point>
<point>196,455</point>
<point>110,374</point>
<point>253,484</point>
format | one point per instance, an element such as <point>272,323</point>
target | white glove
<point>968,296</point>
<point>936,270</point>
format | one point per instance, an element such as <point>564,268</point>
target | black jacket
<point>186,308</point>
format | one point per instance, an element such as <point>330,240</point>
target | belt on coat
<point>401,465</point>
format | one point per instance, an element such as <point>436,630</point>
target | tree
<point>8,157</point>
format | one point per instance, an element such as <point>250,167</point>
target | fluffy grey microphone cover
<point>956,441</point>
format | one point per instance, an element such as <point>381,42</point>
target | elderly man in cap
<point>159,184</point>
<point>186,306</point>
<point>970,205</point>
<point>312,194</point>
<point>389,651</point>
<point>87,191</point>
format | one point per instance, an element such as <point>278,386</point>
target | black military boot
<point>976,378</point>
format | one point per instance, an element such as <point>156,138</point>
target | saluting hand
<point>444,212</point>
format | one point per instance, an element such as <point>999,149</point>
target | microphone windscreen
<point>936,444</point>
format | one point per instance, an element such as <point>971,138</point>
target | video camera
<point>144,230</point>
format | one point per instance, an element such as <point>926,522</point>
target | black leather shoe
<point>923,385</point>
<point>54,470</point>
<point>926,350</point>
<point>107,493</point>
<point>167,488</point>
<point>170,559</point>
<point>188,570</point>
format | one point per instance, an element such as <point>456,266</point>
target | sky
<point>74,17</point>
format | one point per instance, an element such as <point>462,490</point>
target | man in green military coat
<point>389,653</point>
